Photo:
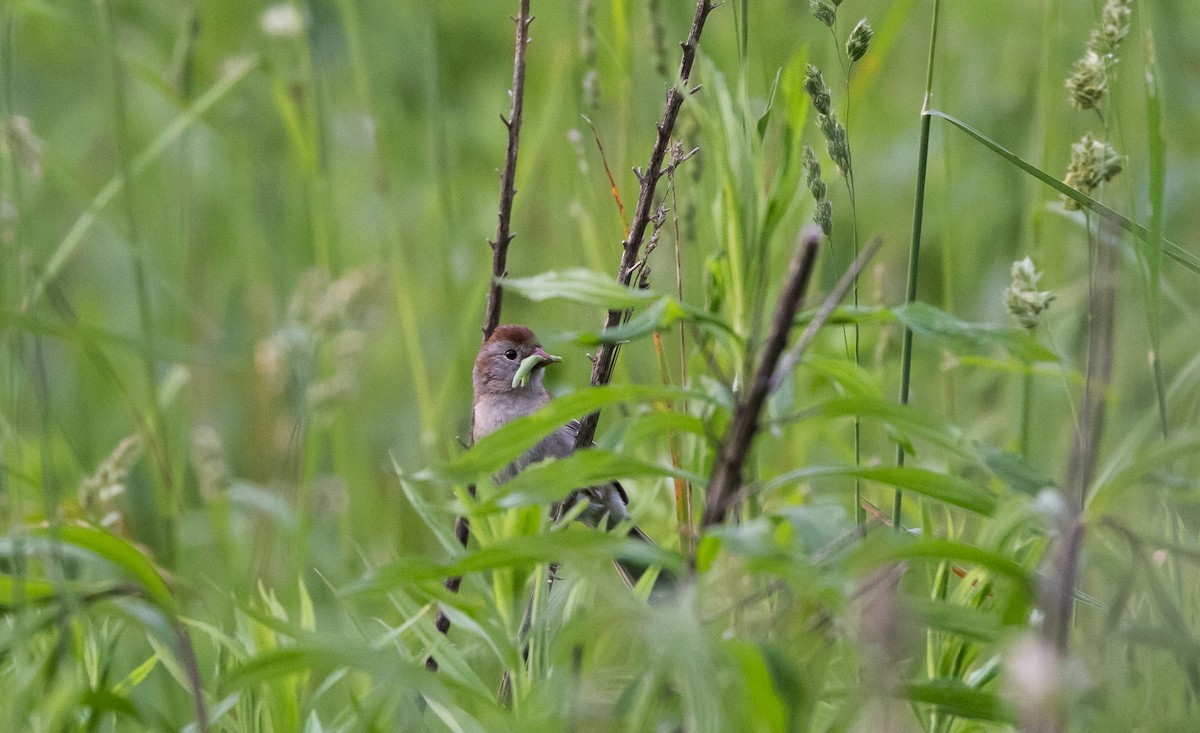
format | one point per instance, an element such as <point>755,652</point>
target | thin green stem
<point>156,442</point>
<point>315,174</point>
<point>860,514</point>
<point>1026,414</point>
<point>1066,378</point>
<point>914,250</point>
<point>837,46</point>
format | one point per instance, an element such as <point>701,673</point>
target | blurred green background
<point>290,288</point>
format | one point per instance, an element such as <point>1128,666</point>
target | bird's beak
<point>531,362</point>
<point>546,357</point>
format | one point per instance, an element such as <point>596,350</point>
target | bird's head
<point>510,360</point>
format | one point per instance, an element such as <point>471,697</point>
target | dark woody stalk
<point>727,473</point>
<point>606,354</point>
<point>504,235</point>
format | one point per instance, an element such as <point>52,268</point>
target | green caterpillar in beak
<point>529,363</point>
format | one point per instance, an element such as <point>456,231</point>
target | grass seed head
<point>859,40</point>
<point>1093,162</point>
<point>1088,81</point>
<point>836,142</point>
<point>812,173</point>
<point>1024,301</point>
<point>823,216</point>
<point>824,12</point>
<point>814,85</point>
<point>1114,26</point>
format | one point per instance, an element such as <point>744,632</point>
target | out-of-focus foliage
<point>243,263</point>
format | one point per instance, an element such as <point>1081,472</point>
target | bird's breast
<point>493,412</point>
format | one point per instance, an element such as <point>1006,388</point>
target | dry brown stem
<point>727,473</point>
<point>602,364</point>
<point>504,235</point>
<point>508,175</point>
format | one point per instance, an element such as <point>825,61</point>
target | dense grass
<point>243,276</point>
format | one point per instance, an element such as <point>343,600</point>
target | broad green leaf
<point>952,695</point>
<point>495,451</point>
<point>31,590</point>
<point>559,545</point>
<point>120,553</point>
<point>852,379</point>
<point>911,423</point>
<point>936,548</point>
<point>662,313</point>
<point>1012,469</point>
<point>933,484</point>
<point>384,666</point>
<point>762,697</point>
<point>651,427</point>
<point>953,618</point>
<point>579,286</point>
<point>926,320</point>
<point>552,480</point>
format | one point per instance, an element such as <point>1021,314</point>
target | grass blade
<point>1172,250</point>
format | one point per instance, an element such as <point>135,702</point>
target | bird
<point>508,382</point>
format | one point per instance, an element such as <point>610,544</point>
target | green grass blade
<point>953,696</point>
<point>936,548</point>
<point>120,553</point>
<point>1172,250</point>
<point>937,485</point>
<point>1151,254</point>
<point>552,480</point>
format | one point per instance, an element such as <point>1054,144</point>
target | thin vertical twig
<point>504,236</point>
<point>602,364</point>
<point>1059,591</point>
<point>508,175</point>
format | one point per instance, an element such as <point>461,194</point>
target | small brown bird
<point>508,382</point>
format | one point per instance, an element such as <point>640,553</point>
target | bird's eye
<point>511,355</point>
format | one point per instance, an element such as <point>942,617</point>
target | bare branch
<point>504,235</point>
<point>631,247</point>
<point>789,361</point>
<point>1058,592</point>
<point>508,175</point>
<point>727,473</point>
